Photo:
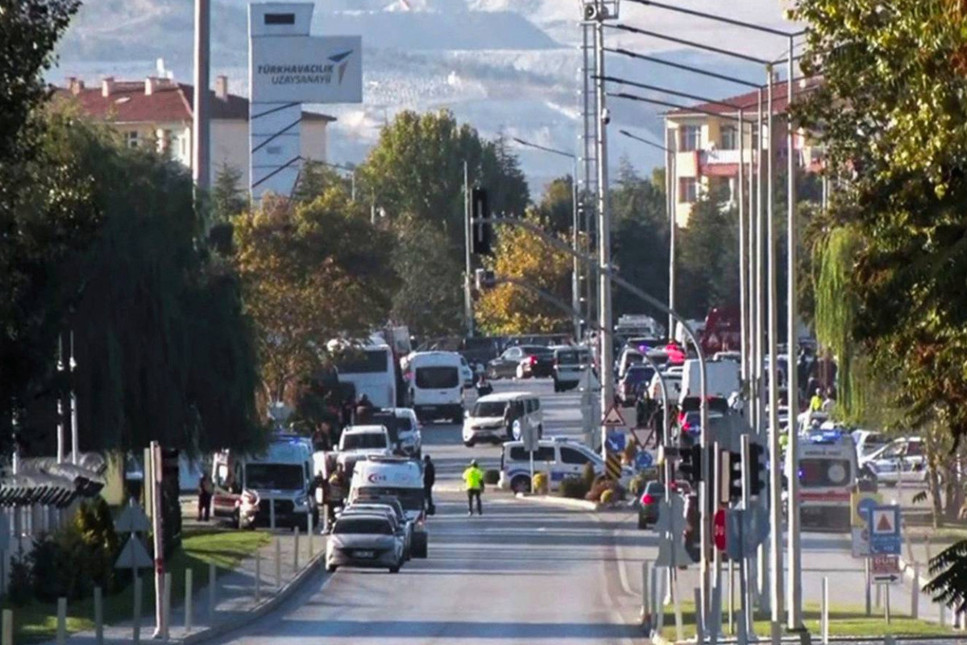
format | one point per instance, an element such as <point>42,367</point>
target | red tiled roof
<point>169,102</point>
<point>750,101</point>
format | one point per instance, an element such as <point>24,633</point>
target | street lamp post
<point>575,228</point>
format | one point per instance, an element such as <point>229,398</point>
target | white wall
<point>229,145</point>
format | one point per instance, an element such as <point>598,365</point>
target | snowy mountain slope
<point>509,67</point>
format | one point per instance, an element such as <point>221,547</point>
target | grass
<point>843,621</point>
<point>225,548</point>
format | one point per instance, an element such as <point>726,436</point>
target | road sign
<point>641,435</point>
<point>719,525</point>
<point>615,441</point>
<point>885,530</point>
<point>643,460</point>
<point>861,542</point>
<point>670,527</point>
<point>746,530</point>
<point>530,435</point>
<point>884,564</point>
<point>133,555</point>
<point>860,505</point>
<point>132,520</point>
<point>613,418</point>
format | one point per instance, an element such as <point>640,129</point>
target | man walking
<point>473,477</point>
<point>429,478</point>
<point>204,497</point>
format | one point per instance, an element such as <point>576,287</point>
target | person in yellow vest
<point>473,477</point>
<point>816,403</point>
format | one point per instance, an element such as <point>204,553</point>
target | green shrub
<point>607,496</point>
<point>637,485</point>
<point>573,488</point>
<point>95,524</point>
<point>491,477</point>
<point>540,483</point>
<point>588,476</point>
<point>20,586</point>
<point>600,486</point>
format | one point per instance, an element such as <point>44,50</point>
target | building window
<point>691,138</point>
<point>730,138</point>
<point>688,190</point>
<point>131,139</point>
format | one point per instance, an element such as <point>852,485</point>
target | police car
<point>559,457</point>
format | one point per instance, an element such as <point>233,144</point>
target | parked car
<point>392,510</point>
<point>649,503</point>
<point>365,540</point>
<point>570,364</point>
<point>404,430</point>
<point>559,457</point>
<point>486,422</point>
<point>359,442</point>
<point>899,460</point>
<point>505,365</point>
<point>868,442</point>
<point>537,363</point>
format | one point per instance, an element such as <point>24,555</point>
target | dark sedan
<point>540,362</point>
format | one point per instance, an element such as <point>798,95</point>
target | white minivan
<point>559,456</point>
<point>487,420</point>
<point>436,385</point>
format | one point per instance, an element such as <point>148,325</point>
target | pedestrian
<point>204,497</point>
<point>474,478</point>
<point>429,478</point>
<point>337,492</point>
<point>364,409</point>
<point>816,403</point>
<point>829,402</point>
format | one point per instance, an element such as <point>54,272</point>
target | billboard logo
<point>341,60</point>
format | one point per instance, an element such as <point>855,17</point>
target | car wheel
<point>395,569</point>
<point>331,568</point>
<point>642,523</point>
<point>540,431</point>
<point>520,484</point>
<point>469,444</point>
<point>236,520</point>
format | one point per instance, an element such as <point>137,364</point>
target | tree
<point>416,169</point>
<point>511,309</point>
<point>555,211</point>
<point>228,196</point>
<point>311,273</point>
<point>314,179</point>
<point>889,113</point>
<point>430,307</point>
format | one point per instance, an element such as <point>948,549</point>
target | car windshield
<point>411,499</point>
<point>639,375</point>
<point>824,472</point>
<point>363,362</point>
<point>362,526</point>
<point>437,378</point>
<point>489,409</point>
<point>536,350</point>
<point>275,476</point>
<point>363,440</point>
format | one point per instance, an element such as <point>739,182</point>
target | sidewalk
<point>235,603</point>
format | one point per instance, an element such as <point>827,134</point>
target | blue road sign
<point>746,530</point>
<point>615,441</point>
<point>884,530</point>
<point>643,460</point>
<point>865,506</point>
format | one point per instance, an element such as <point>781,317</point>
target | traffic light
<point>731,486</point>
<point>757,468</point>
<point>481,233</point>
<point>690,466</point>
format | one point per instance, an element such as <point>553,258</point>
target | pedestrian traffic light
<point>481,232</point>
<point>757,468</point>
<point>690,466</point>
<point>730,484</point>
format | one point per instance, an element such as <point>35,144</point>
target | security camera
<point>595,11</point>
<point>606,116</point>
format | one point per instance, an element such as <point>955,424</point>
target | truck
<point>722,379</point>
<point>249,490</point>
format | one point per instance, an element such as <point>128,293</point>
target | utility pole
<point>671,196</point>
<point>794,599</point>
<point>467,300</point>
<point>575,265</point>
<point>60,398</point>
<point>604,221</point>
<point>200,158</point>
<point>71,364</point>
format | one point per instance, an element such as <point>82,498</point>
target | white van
<point>560,457</point>
<point>397,477</point>
<point>486,420</point>
<point>436,385</point>
<point>722,379</point>
<point>370,367</point>
<point>359,442</point>
<point>828,469</point>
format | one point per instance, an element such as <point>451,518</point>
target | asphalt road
<point>519,573</point>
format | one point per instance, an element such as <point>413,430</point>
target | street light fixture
<point>575,268</point>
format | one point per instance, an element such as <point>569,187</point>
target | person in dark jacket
<point>364,410</point>
<point>429,478</point>
<point>204,498</point>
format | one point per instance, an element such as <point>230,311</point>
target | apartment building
<point>704,140</point>
<point>157,112</point>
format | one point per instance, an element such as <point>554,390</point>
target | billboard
<point>307,69</point>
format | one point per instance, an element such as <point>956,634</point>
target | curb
<point>260,610</point>
<point>567,502</point>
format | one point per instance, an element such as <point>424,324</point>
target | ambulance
<point>399,477</point>
<point>828,469</point>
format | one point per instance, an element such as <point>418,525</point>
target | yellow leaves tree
<point>310,272</point>
<point>512,309</point>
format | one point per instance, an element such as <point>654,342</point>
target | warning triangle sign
<point>613,418</point>
<point>883,524</point>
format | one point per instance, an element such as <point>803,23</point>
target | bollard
<point>915,593</point>
<point>879,595</point>
<point>6,634</point>
<point>886,609</point>
<point>258,575</point>
<point>889,640</point>
<point>136,623</point>
<point>61,621</point>
<point>653,593</point>
<point>295,551</point>
<point>166,608</point>
<point>732,597</point>
<point>699,627</point>
<point>272,514</point>
<point>943,614</point>
<point>309,535</point>
<point>189,574</point>
<point>98,616</point>
<point>211,592</point>
<point>824,615</point>
<point>645,614</point>
<point>278,564</point>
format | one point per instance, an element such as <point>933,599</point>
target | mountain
<point>509,67</point>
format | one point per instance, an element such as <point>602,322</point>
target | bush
<point>607,496</point>
<point>540,483</point>
<point>95,524</point>
<point>637,485</point>
<point>20,587</point>
<point>573,488</point>
<point>491,477</point>
<point>588,476</point>
<point>628,454</point>
<point>602,485</point>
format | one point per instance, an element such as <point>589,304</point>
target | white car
<point>868,442</point>
<point>360,442</point>
<point>466,372</point>
<point>899,460</point>
<point>406,428</point>
<point>560,457</point>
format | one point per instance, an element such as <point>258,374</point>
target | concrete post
<point>295,551</point>
<point>211,593</point>
<point>645,614</point>
<point>98,616</point>
<point>824,617</point>
<point>272,514</point>
<point>189,584</point>
<point>61,621</point>
<point>915,592</point>
<point>278,564</point>
<point>136,624</point>
<point>6,633</point>
<point>309,528</point>
<point>258,575</point>
<point>699,627</point>
<point>166,608</point>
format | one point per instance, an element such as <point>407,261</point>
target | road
<point>522,571</point>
